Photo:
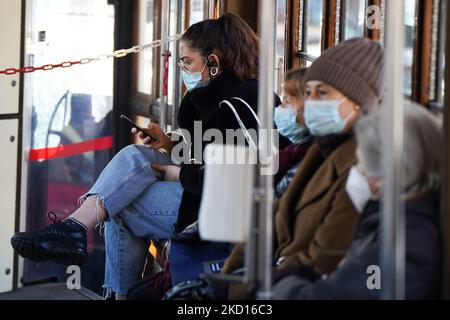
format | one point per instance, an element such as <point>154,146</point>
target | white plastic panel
<point>10,36</point>
<point>8,176</point>
<point>226,206</point>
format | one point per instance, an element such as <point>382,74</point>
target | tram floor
<point>49,291</point>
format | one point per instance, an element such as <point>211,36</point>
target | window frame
<point>141,103</point>
<point>341,14</point>
<point>301,45</point>
<point>436,97</point>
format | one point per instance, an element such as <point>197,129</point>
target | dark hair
<point>295,84</point>
<point>231,39</point>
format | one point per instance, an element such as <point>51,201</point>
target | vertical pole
<point>219,4</point>
<point>445,205</point>
<point>177,92</point>
<point>206,9</point>
<point>393,216</point>
<point>165,25</point>
<point>211,8</point>
<point>264,214</point>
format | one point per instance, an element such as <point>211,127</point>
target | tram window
<point>145,57</point>
<point>411,29</point>
<point>197,10</point>
<point>381,34</point>
<point>353,18</point>
<point>437,85</point>
<point>314,20</point>
<point>440,79</point>
<point>67,107</point>
<point>310,28</point>
<point>280,44</point>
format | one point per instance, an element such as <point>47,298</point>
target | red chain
<point>116,54</point>
<point>45,67</point>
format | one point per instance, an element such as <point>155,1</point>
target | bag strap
<point>247,135</point>
<point>251,110</point>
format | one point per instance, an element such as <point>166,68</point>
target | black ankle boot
<point>62,242</point>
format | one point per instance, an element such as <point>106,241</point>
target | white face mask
<point>358,189</point>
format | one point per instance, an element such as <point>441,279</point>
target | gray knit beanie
<point>355,67</point>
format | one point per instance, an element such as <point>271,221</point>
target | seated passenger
<point>420,191</point>
<point>291,124</point>
<point>141,193</point>
<point>315,221</point>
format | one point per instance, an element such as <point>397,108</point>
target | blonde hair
<point>294,83</point>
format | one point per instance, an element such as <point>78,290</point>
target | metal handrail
<point>392,123</point>
<point>259,245</point>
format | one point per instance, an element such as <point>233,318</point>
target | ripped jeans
<point>140,208</point>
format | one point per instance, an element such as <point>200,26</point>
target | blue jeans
<point>140,207</point>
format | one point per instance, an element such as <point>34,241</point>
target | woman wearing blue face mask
<point>141,194</point>
<point>290,123</point>
<point>315,220</point>
<point>218,61</point>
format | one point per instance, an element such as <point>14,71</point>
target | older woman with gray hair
<point>356,276</point>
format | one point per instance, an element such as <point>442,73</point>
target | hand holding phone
<point>138,128</point>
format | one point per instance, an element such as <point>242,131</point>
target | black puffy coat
<point>202,104</point>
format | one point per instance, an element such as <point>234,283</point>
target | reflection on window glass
<point>71,124</point>
<point>196,14</point>
<point>354,18</point>
<point>144,83</point>
<point>410,25</point>
<point>314,14</point>
<point>280,44</point>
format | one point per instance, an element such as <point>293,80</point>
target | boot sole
<point>37,252</point>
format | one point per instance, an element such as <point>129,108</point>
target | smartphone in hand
<point>138,128</point>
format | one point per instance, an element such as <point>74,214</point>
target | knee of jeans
<point>142,149</point>
<point>128,150</point>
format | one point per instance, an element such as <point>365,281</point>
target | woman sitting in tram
<point>290,123</point>
<point>141,192</point>
<point>315,220</point>
<point>358,274</point>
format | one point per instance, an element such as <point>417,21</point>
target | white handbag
<point>227,199</point>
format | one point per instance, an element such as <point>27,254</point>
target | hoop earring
<point>214,71</point>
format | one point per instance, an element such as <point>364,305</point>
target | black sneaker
<point>62,242</point>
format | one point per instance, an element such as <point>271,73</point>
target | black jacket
<point>202,104</point>
<point>349,281</point>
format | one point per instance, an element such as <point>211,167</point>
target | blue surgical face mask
<point>193,80</point>
<point>286,121</point>
<point>322,117</point>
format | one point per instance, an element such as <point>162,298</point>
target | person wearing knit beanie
<point>342,84</point>
<point>315,220</point>
<point>355,67</point>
